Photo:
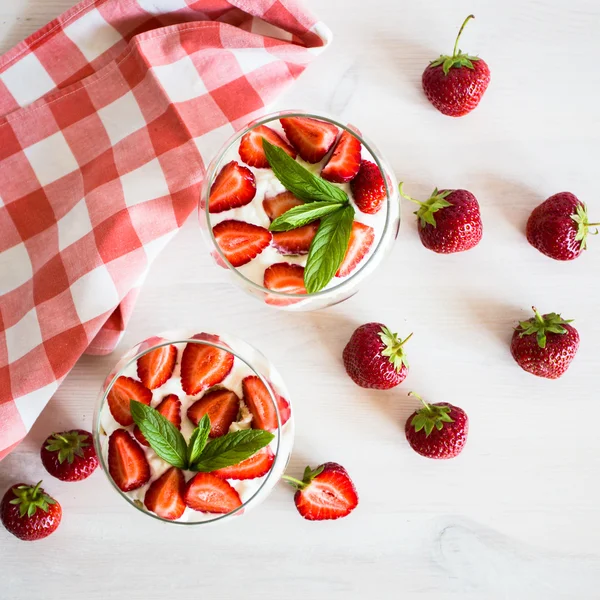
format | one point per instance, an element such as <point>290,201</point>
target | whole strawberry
<point>449,221</point>
<point>545,345</point>
<point>437,430</point>
<point>368,188</point>
<point>559,227</point>
<point>29,513</point>
<point>70,455</point>
<point>374,357</point>
<point>455,84</point>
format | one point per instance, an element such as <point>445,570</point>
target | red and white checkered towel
<point>108,116</point>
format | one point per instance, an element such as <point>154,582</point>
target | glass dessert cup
<point>249,277</point>
<point>247,362</point>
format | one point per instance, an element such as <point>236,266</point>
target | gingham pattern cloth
<point>109,115</point>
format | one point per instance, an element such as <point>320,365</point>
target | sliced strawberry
<point>251,148</point>
<point>233,187</point>
<point>345,160</point>
<point>122,392</point>
<point>275,206</point>
<point>312,138</point>
<point>258,400</point>
<point>295,241</point>
<point>157,366</point>
<point>127,462</point>
<point>285,277</point>
<point>257,465</point>
<point>165,495</point>
<point>361,239</point>
<point>206,492</point>
<point>221,406</point>
<point>203,366</point>
<point>170,408</point>
<point>240,242</point>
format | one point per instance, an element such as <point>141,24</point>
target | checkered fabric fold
<point>108,116</point>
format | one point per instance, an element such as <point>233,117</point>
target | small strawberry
<point>156,366</point>
<point>295,241</point>
<point>455,84</point>
<point>221,406</point>
<point>165,495</point>
<point>170,409</point>
<point>361,239</point>
<point>325,493</point>
<point>344,163</point>
<point>311,137</point>
<point>559,227</point>
<point>275,206</point>
<point>240,242</point>
<point>29,513</point>
<point>208,493</point>
<point>437,430</point>
<point>251,147</point>
<point>286,278</point>
<point>233,187</point>
<point>368,188</point>
<point>127,462</point>
<point>374,357</point>
<point>121,393</point>
<point>258,465</point>
<point>260,403</point>
<point>449,221</point>
<point>70,455</point>
<point>203,366</point>
<point>550,351</point>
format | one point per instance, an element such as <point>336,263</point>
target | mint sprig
<point>298,216</point>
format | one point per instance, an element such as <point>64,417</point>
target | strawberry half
<point>122,392</point>
<point>295,241</point>
<point>275,206</point>
<point>221,406</point>
<point>344,163</point>
<point>170,409</point>
<point>233,187</point>
<point>203,366</point>
<point>311,137</point>
<point>257,465</point>
<point>165,495</point>
<point>251,148</point>
<point>157,366</point>
<point>258,400</point>
<point>206,492</point>
<point>127,462</point>
<point>286,278</point>
<point>361,240</point>
<point>240,242</point>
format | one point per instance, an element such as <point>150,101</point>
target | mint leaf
<point>164,438</point>
<point>300,181</point>
<point>231,449</point>
<point>303,215</point>
<point>328,249</point>
<point>198,440</point>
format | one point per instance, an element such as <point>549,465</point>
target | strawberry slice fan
<point>108,116</point>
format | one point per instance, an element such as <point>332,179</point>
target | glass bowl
<point>249,277</point>
<point>247,361</point>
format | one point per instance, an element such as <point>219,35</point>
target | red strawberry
<point>258,400</point>
<point>169,408</point>
<point>311,137</point>
<point>374,357</point>
<point>165,495</point>
<point>29,513</point>
<point>437,430</point>
<point>127,462</point>
<point>233,187</point>
<point>455,84</point>
<point>240,242</point>
<point>295,241</point>
<point>221,406</point>
<point>258,465</point>
<point>449,221</point>
<point>368,188</point>
<point>155,367</point>
<point>344,163</point>
<point>559,227</point>
<point>122,392</point>
<point>206,492</point>
<point>285,278</point>
<point>361,239</point>
<point>550,351</point>
<point>325,493</point>
<point>251,148</point>
<point>275,206</point>
<point>203,366</point>
<point>70,455</point>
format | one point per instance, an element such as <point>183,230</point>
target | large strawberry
<point>368,188</point>
<point>311,137</point>
<point>233,187</point>
<point>251,147</point>
<point>69,455</point>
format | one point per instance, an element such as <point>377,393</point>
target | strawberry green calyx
<point>541,325</point>
<point>394,348</point>
<point>309,475</point>
<point>458,58</point>
<point>68,445</point>
<point>583,225</point>
<point>30,498</point>
<point>427,209</point>
<point>430,416</point>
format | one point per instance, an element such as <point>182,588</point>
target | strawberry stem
<point>293,481</point>
<point>454,53</point>
<point>400,189</point>
<point>425,405</point>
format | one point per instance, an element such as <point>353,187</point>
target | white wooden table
<point>517,515</point>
